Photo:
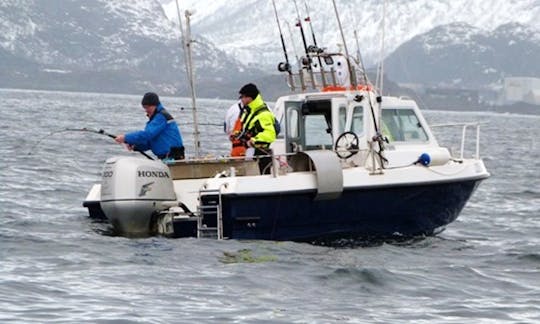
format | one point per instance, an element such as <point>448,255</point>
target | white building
<point>522,89</point>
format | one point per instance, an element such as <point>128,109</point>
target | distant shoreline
<point>518,108</point>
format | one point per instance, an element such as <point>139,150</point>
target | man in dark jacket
<point>161,134</point>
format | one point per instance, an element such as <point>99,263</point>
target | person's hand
<point>120,138</point>
<point>130,147</point>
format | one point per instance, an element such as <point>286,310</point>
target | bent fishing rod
<point>84,129</point>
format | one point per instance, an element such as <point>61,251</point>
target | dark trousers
<point>265,163</point>
<point>176,153</point>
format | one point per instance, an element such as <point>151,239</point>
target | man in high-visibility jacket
<point>258,129</point>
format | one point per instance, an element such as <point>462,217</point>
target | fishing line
<point>84,129</point>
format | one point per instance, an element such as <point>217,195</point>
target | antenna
<point>190,73</point>
<point>283,67</point>
<point>353,76</point>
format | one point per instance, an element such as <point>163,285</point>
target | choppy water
<point>57,265</point>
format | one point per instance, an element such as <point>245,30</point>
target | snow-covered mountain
<point>460,55</point>
<point>247,28</point>
<point>131,46</point>
<point>103,45</point>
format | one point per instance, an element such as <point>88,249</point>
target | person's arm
<point>268,134</point>
<point>139,147</point>
<point>141,138</point>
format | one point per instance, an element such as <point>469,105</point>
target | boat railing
<point>464,128</point>
<point>311,78</point>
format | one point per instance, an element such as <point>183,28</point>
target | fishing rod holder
<point>337,72</point>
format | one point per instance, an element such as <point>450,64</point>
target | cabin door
<point>340,122</point>
<point>294,127</point>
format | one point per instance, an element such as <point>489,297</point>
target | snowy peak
<point>103,45</point>
<point>51,32</point>
<point>248,28</point>
<point>517,31</point>
<point>452,34</point>
<point>460,55</point>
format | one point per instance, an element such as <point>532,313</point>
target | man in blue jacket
<point>161,134</point>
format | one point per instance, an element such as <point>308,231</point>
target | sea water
<point>57,265</point>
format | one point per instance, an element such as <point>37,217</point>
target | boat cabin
<point>316,121</point>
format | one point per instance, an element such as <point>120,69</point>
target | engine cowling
<point>132,191</point>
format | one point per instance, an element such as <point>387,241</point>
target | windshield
<point>402,125</point>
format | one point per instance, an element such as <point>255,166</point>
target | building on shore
<point>521,89</point>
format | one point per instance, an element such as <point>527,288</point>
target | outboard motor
<point>133,190</point>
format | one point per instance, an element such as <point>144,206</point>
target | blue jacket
<point>160,134</point>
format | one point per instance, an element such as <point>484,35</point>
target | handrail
<point>317,80</point>
<point>463,135</point>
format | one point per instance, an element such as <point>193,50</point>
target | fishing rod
<point>351,74</point>
<point>316,47</point>
<point>376,122</point>
<point>379,81</point>
<point>201,124</point>
<point>359,58</point>
<point>281,66</point>
<point>380,71</point>
<point>299,24</point>
<point>84,129</point>
<point>293,43</point>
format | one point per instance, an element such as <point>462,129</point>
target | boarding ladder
<point>208,208</point>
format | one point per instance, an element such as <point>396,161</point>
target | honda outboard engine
<point>133,190</point>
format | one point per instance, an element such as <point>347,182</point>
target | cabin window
<point>342,118</point>
<point>292,123</point>
<point>357,125</point>
<point>402,125</point>
<point>318,133</point>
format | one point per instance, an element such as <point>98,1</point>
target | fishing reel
<point>284,67</point>
<point>306,61</point>
<point>315,49</point>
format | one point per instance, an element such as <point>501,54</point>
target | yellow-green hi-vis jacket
<point>258,122</point>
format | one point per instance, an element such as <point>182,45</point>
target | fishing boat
<point>347,163</point>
